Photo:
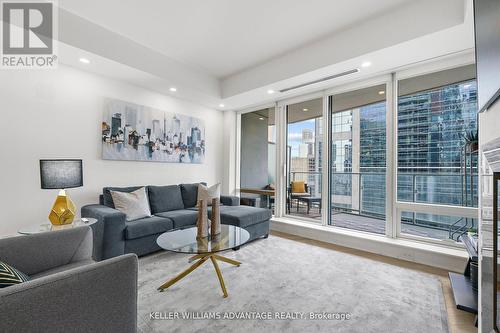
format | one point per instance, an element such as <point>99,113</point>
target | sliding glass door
<point>357,170</point>
<point>304,155</point>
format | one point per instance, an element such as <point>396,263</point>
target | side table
<point>47,226</point>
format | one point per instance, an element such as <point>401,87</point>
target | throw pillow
<point>190,194</point>
<point>10,276</point>
<point>208,193</point>
<point>134,204</point>
<point>298,187</point>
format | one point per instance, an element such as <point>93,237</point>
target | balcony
<point>358,201</point>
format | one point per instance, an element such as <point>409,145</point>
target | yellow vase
<point>63,211</point>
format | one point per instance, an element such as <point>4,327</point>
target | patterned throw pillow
<point>10,276</point>
<point>208,193</point>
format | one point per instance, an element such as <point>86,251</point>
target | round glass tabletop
<point>184,240</point>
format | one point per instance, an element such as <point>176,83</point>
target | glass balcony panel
<point>436,226</point>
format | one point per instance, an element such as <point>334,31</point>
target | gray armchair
<point>69,292</point>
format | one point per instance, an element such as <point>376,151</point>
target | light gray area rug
<point>281,277</point>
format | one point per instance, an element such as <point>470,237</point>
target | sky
<point>295,134</point>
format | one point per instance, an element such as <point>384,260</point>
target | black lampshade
<point>61,174</point>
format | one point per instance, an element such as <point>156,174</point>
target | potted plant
<point>472,231</point>
<point>471,140</point>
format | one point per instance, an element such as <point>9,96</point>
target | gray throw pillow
<point>133,204</point>
<point>190,194</point>
<point>165,198</point>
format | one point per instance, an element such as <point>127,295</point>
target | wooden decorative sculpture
<point>215,219</point>
<point>202,221</point>
<point>202,244</point>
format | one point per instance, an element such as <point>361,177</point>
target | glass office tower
<point>435,164</point>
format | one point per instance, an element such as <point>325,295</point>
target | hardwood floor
<point>458,321</point>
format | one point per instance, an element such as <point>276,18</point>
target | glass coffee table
<point>185,241</point>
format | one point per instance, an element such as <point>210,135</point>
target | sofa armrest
<point>109,230</point>
<point>100,297</point>
<point>230,200</point>
<point>36,253</point>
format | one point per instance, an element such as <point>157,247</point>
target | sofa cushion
<point>243,216</point>
<point>209,209</point>
<point>147,226</point>
<point>181,218</point>
<point>165,198</point>
<point>190,194</point>
<point>108,200</point>
<point>229,200</point>
<point>63,268</point>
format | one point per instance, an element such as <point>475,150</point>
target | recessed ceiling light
<point>173,89</point>
<point>305,109</point>
<point>270,91</point>
<point>261,118</point>
<point>381,92</point>
<point>221,105</point>
<point>85,60</point>
<point>366,64</point>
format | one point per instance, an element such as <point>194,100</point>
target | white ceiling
<point>232,52</point>
<point>224,37</point>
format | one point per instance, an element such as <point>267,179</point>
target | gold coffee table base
<point>201,259</point>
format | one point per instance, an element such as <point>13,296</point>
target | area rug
<point>289,286</point>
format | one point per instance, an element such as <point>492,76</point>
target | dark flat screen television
<point>487,33</point>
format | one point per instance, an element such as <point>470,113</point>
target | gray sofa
<point>172,207</point>
<point>68,291</point>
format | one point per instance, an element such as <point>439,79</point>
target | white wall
<point>489,123</point>
<point>57,114</point>
<point>253,151</point>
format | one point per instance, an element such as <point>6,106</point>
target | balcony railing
<point>363,194</point>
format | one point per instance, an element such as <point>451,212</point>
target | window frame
<point>414,207</point>
<point>282,105</point>
<point>394,207</point>
<point>387,80</point>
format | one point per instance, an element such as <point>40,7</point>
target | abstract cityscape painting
<point>132,132</point>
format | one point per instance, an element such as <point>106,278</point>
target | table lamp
<point>61,174</point>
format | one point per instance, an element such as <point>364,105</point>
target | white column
<point>356,130</point>
<point>230,148</point>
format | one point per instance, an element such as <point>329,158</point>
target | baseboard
<point>450,259</point>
